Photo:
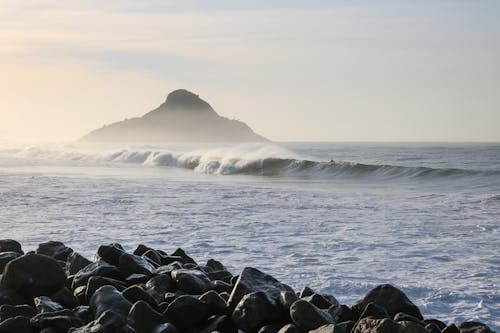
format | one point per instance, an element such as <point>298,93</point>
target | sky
<point>293,70</point>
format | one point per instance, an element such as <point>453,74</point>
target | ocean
<point>338,217</point>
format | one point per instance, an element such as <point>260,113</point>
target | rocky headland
<point>183,117</point>
<point>55,289</point>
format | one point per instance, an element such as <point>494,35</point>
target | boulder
<point>191,281</point>
<point>290,328</point>
<point>10,245</point>
<point>222,324</point>
<point>135,293</point>
<point>9,311</point>
<point>108,322</point>
<point>474,327</point>
<point>98,268</point>
<point>66,298</point>
<point>216,304</point>
<point>108,298</point>
<point>96,282</point>
<point>158,286</point>
<point>111,253</point>
<point>6,257</point>
<point>61,321</point>
<point>143,318</point>
<point>17,324</point>
<point>34,275</point>
<point>165,328</point>
<point>254,311</point>
<point>54,249</point>
<point>308,317</point>
<point>46,304</point>
<point>132,264</point>
<point>186,312</point>
<point>391,299</point>
<point>75,262</point>
<point>183,257</point>
<point>386,325</point>
<point>319,301</point>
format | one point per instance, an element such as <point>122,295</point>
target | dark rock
<point>221,286</point>
<point>436,322</point>
<point>34,275</point>
<point>271,328</point>
<point>308,317</point>
<point>216,304</point>
<point>165,328</point>
<point>400,316</point>
<point>143,318</point>
<point>186,312</point>
<point>10,245</point>
<point>158,286</point>
<point>96,282</point>
<point>9,311</point>
<point>432,328</point>
<point>252,280</point>
<point>168,260</point>
<point>375,311</point>
<point>184,258</point>
<point>191,281</point>
<point>254,311</point>
<point>451,329</point>
<point>286,299</point>
<point>45,304</point>
<point>306,291</point>
<point>83,313</point>
<point>81,294</point>
<point>111,253</point>
<point>49,330</point>
<point>136,279</point>
<point>75,262</point>
<point>215,265</point>
<point>61,320</point>
<point>66,298</point>
<point>132,264</point>
<point>108,322</point>
<point>136,293</point>
<point>344,313</point>
<point>386,325</point>
<point>318,300</point>
<point>154,256</point>
<point>98,268</point>
<point>390,298</point>
<point>220,275</point>
<point>108,298</point>
<point>224,295</point>
<point>222,324</point>
<point>141,249</point>
<point>6,257</point>
<point>54,249</point>
<point>474,327</point>
<point>17,324</point>
<point>290,328</point>
<point>344,327</point>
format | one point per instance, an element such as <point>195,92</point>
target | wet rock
<point>216,304</point>
<point>60,321</point>
<point>390,298</point>
<point>344,313</point>
<point>290,328</point>
<point>221,286</point>
<point>108,322</point>
<point>344,327</point>
<point>143,318</point>
<point>158,286</point>
<point>132,264</point>
<point>10,245</point>
<point>191,281</point>
<point>184,258</point>
<point>54,249</point>
<point>436,322</point>
<point>66,298</point>
<point>252,280</point>
<point>186,311</point>
<point>400,316</point>
<point>98,268</point>
<point>136,279</point>
<point>215,265</point>
<point>224,276</point>
<point>17,324</point>
<point>386,325</point>
<point>319,301</point>
<point>83,313</point>
<point>45,304</point>
<point>141,249</point>
<point>6,257</point>
<point>165,328</point>
<point>271,328</point>
<point>96,282</point>
<point>153,256</point>
<point>136,293</point>
<point>308,317</point>
<point>375,311</point>
<point>432,328</point>
<point>286,299</point>
<point>305,292</point>
<point>222,324</point>
<point>75,262</point>
<point>254,311</point>
<point>111,253</point>
<point>34,275</point>
<point>9,311</point>
<point>108,298</point>
<point>474,327</point>
<point>452,328</point>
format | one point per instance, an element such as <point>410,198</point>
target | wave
<point>270,161</point>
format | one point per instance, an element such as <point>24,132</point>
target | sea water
<point>338,217</point>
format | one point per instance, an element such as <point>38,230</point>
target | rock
<point>344,313</point>
<point>108,322</point>
<point>10,245</point>
<point>111,253</point>
<point>132,264</point>
<point>34,275</point>
<point>222,324</point>
<point>158,286</point>
<point>75,262</point>
<point>319,301</point>
<point>254,311</point>
<point>386,325</point>
<point>45,304</point>
<point>344,327</point>
<point>66,298</point>
<point>224,276</point>
<point>183,257</point>
<point>9,311</point>
<point>98,268</point>
<point>11,297</point>
<point>96,282</point>
<point>286,299</point>
<point>432,328</point>
<point>305,292</point>
<point>308,317</point>
<point>54,249</point>
<point>143,318</point>
<point>452,328</point>
<point>6,257</point>
<point>165,328</point>
<point>390,298</point>
<point>252,280</point>
<point>271,328</point>
<point>191,281</point>
<point>216,304</point>
<point>83,312</point>
<point>135,293</point>
<point>136,279</point>
<point>61,320</point>
<point>108,298</point>
<point>215,265</point>
<point>400,316</point>
<point>375,311</point>
<point>290,328</point>
<point>436,322</point>
<point>221,286</point>
<point>17,324</point>
<point>186,312</point>
<point>474,327</point>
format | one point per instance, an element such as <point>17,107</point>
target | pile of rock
<point>55,290</point>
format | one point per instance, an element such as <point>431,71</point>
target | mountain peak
<point>183,99</point>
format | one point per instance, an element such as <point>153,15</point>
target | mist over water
<point>341,217</point>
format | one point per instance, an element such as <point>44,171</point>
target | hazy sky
<point>293,70</point>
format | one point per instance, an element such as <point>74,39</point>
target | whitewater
<point>339,217</point>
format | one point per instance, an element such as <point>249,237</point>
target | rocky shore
<point>54,289</point>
